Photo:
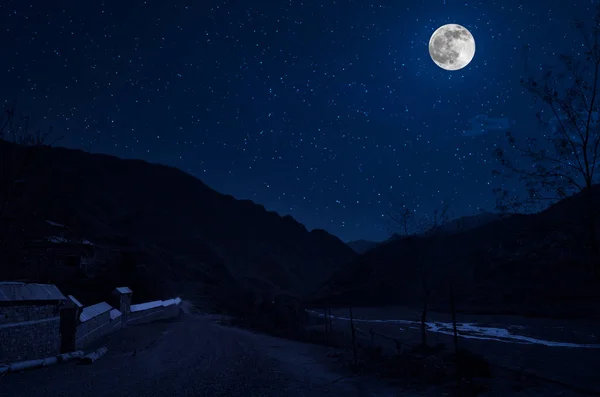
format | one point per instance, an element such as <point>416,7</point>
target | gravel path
<point>193,356</point>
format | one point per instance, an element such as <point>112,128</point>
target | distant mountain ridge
<point>536,264</point>
<point>186,235</point>
<point>463,223</point>
<point>469,222</point>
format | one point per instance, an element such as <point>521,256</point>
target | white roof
<point>14,291</point>
<point>94,311</point>
<point>55,224</point>
<point>115,313</point>
<point>169,302</point>
<point>151,305</point>
<point>57,239</point>
<point>124,290</point>
<point>75,301</point>
<point>145,306</point>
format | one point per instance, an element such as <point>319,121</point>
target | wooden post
<point>353,335</point>
<point>326,320</point>
<point>455,329</point>
<point>330,321</point>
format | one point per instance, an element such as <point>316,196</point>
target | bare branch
<point>565,161</point>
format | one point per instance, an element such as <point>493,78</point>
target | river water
<point>567,351</point>
<point>512,333</point>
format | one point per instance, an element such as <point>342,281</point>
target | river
<point>567,351</point>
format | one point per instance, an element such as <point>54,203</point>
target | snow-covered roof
<point>114,314</point>
<point>145,306</point>
<point>55,224</point>
<point>94,311</point>
<point>169,302</point>
<point>151,305</point>
<point>15,291</point>
<point>63,240</point>
<point>75,301</point>
<point>57,239</point>
<point>124,290</point>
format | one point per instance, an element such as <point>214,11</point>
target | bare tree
<point>564,159</point>
<point>410,225</point>
<point>16,128</point>
<point>19,154</point>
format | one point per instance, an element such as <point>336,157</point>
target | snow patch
<point>57,239</point>
<point>55,224</point>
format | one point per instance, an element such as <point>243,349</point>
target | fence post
<point>399,347</point>
<point>455,329</point>
<point>353,335</point>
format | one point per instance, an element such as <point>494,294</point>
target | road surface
<point>193,356</point>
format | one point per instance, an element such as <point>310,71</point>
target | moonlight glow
<point>452,47</point>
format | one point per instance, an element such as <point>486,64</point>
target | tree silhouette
<point>19,159</point>
<point>565,159</point>
<point>410,226</point>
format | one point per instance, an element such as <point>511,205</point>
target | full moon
<point>452,47</point>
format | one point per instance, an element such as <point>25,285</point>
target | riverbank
<point>561,351</point>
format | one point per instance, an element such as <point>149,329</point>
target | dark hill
<point>362,246</point>
<point>177,233</point>
<point>456,225</point>
<point>535,264</point>
<point>469,222</point>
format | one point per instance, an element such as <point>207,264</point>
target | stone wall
<point>116,323</point>
<point>29,331</point>
<point>93,329</point>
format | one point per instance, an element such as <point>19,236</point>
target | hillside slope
<point>526,264</point>
<point>362,246</point>
<point>184,232</point>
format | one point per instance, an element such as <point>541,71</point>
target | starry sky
<point>331,111</point>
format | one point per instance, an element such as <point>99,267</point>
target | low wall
<point>100,325</point>
<point>101,319</point>
<point>33,332</point>
<point>153,311</point>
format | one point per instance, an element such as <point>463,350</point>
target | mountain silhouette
<point>362,246</point>
<point>537,264</point>
<point>168,232</point>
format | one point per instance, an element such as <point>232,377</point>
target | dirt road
<point>193,356</point>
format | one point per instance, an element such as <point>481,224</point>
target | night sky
<point>330,111</point>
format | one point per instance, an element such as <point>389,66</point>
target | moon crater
<point>452,47</point>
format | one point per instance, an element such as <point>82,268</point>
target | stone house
<point>60,246</point>
<point>38,321</point>
<point>29,321</point>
